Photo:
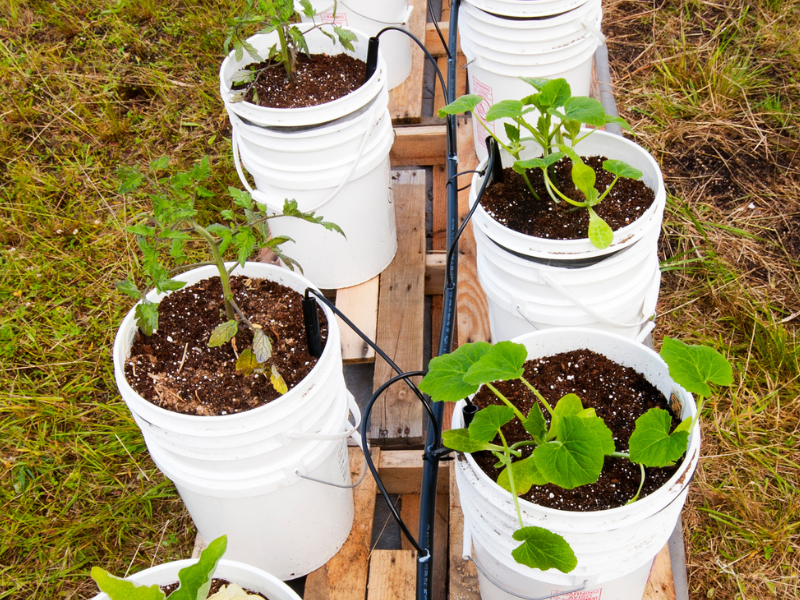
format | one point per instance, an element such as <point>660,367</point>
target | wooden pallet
<point>360,572</point>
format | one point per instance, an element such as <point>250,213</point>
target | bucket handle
<point>261,196</point>
<point>351,403</point>
<point>580,304</point>
<point>403,20</point>
<point>594,30</point>
<point>466,554</point>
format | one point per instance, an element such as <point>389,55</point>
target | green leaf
<point>651,443</point>
<point>196,579</point>
<point>576,457</point>
<point>512,133</point>
<point>345,37</point>
<point>120,589</point>
<point>521,166</point>
<point>245,242</point>
<point>535,424</point>
<point>621,169</point>
<point>568,406</point>
<point>169,285</point>
<point>277,380</point>
<point>693,367</point>
<point>536,82</point>
<point>466,103</point>
<point>543,549</point>
<point>251,50</point>
<point>504,361</point>
<point>526,475</point>
<point>141,229</point>
<point>584,177</point>
<point>247,363</point>
<point>445,379</point>
<point>459,440</point>
<point>505,109</point>
<point>223,333</point>
<point>600,234</point>
<point>488,421</point>
<point>584,110</point>
<point>130,179</point>
<point>555,93</point>
<point>308,10</point>
<point>147,317</point>
<point>619,121</point>
<point>240,197</point>
<point>128,288</point>
<point>262,346</point>
<point>158,164</point>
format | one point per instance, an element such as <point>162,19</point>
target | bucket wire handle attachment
<point>466,554</point>
<point>403,19</point>
<point>261,196</point>
<point>357,437</point>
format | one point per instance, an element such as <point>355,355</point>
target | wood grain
<point>360,304</point>
<point>419,145</point>
<point>396,419</point>
<point>401,472</point>
<point>409,511</point>
<point>405,101</point>
<point>660,585</point>
<point>344,577</point>
<point>392,575</point>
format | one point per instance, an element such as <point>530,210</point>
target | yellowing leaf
<point>277,380</point>
<point>247,362</point>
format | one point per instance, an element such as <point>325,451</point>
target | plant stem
<point>517,412</point>
<point>522,444</point>
<point>552,188</point>
<point>641,485</point>
<point>530,187</point>
<point>538,395</point>
<point>511,479</point>
<point>286,55</point>
<point>223,272</point>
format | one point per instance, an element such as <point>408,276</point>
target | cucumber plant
<point>570,450</point>
<point>163,233</point>
<point>279,16</point>
<point>559,117</point>
<point>195,581</point>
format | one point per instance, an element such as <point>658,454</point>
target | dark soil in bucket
<point>619,396</point>
<point>320,78</point>
<point>176,370</point>
<point>511,203</point>
<point>216,585</point>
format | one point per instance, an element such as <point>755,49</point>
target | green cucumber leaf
<point>196,579</point>
<point>555,93</point>
<point>445,379</point>
<point>536,82</point>
<point>600,234</point>
<point>466,103</point>
<point>505,109</point>
<point>585,110</point>
<point>538,163</point>
<point>526,474</point>
<point>621,169</point>
<point>651,444</point>
<point>535,424</point>
<point>121,589</point>
<point>503,361</point>
<point>543,549</point>
<point>693,367</point>
<point>488,421</point>
<point>576,457</point>
<point>459,440</point>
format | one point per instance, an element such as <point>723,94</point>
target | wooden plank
<point>360,304</point>
<point>419,145</point>
<point>432,41</point>
<point>461,82</point>
<point>392,575</point>
<point>397,416</point>
<point>463,576</point>
<point>660,585</point>
<point>401,472</point>
<point>435,263</point>
<point>405,101</point>
<point>409,511</point>
<point>472,308</point>
<point>344,577</point>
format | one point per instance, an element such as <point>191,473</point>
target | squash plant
<point>570,450</point>
<point>559,117</point>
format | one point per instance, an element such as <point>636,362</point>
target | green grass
<point>713,94</point>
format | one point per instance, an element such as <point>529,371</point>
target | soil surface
<point>176,370</point>
<point>512,204</point>
<point>216,585</point>
<point>320,78</point>
<point>619,396</point>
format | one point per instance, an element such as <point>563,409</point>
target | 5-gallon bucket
<point>371,17</point>
<point>599,143</point>
<point>614,547</point>
<point>500,50</point>
<point>219,464</point>
<point>332,162</point>
<point>525,8</point>
<point>618,294</point>
<point>246,576</point>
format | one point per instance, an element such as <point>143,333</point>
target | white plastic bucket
<point>618,294</point>
<point>500,50</point>
<point>599,143</point>
<point>614,547</point>
<point>228,468</point>
<point>371,17</point>
<point>246,576</point>
<point>525,8</point>
<point>332,162</point>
